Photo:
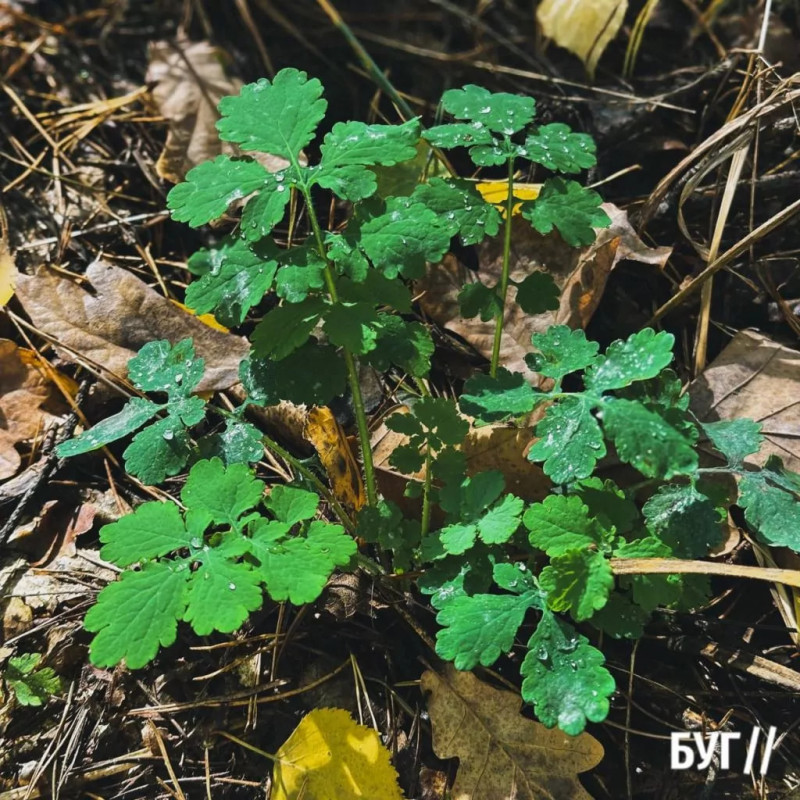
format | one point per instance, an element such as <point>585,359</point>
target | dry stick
<point>723,260</point>
<point>668,566</point>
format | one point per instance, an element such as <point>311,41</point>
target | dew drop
<point>169,435</point>
<point>231,586</point>
<point>196,542</point>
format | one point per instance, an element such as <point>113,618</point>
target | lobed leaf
<point>561,352</point>
<point>500,112</point>
<point>639,357</point>
<point>558,148</point>
<point>277,117</point>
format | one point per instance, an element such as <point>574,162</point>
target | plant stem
<point>350,364</point>
<point>426,491</point>
<point>321,488</point>
<point>503,287</point>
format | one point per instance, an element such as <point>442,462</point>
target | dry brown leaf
<point>110,325</point>
<point>327,436</point>
<point>758,378</point>
<point>584,27</point>
<point>503,448</point>
<point>501,753</point>
<point>580,274</point>
<point>190,79</point>
<point>23,391</point>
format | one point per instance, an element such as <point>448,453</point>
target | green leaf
<point>212,186</point>
<point>621,618</point>
<point>441,415</point>
<point>355,143</point>
<point>353,325</point>
<point>353,183</point>
<point>152,530</point>
<point>385,525</point>
<point>161,449</point>
<point>770,510</point>
<point>278,117</point>
<point>352,146</point>
<point>561,352</point>
<point>480,491</point>
<point>560,524</point>
<point>222,592</point>
<point>343,250</point>
<point>407,345</point>
<point>566,205</point>
<point>648,442</point>
<point>458,537</point>
<point>684,519</point>
<point>160,367</point>
<point>297,568</point>
<point>477,298</point>
<point>238,281</point>
<point>136,615</point>
<point>313,374</point>
<point>578,581</point>
<point>31,686</point>
<point>513,577</point>
<point>639,357</point>
<point>538,293</point>
<point>564,677</point>
<point>406,458</point>
<point>478,629</point>
<point>136,412</point>
<point>286,328</point>
<point>735,438</point>
<point>501,521</point>
<point>291,505</point>
<point>239,443</point>
<point>403,238</point>
<point>263,212</point>
<point>459,134</point>
<point>219,495</point>
<point>558,148</point>
<point>607,503</point>
<point>498,111</point>
<point>507,394</point>
<point>302,272</point>
<point>570,440</point>
<point>377,289</point>
<point>492,155</point>
<point>461,209</point>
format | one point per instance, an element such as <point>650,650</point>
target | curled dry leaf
<point>758,378</point>
<point>24,389</point>
<point>190,78</point>
<point>584,27</point>
<point>109,325</point>
<point>324,431</point>
<point>581,276</point>
<point>501,753</point>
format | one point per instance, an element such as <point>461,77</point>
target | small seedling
<point>30,684</point>
<point>340,297</point>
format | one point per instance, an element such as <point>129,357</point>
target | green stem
<point>503,287</point>
<point>426,491</point>
<point>309,475</point>
<point>350,364</point>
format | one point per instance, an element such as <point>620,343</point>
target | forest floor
<point>697,147</point>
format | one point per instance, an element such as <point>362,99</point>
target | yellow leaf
<point>327,436</point>
<point>584,27</point>
<point>501,754</point>
<point>207,319</point>
<point>496,193</point>
<point>8,274</point>
<point>331,757</point>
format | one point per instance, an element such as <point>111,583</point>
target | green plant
<point>31,684</point>
<point>340,297</point>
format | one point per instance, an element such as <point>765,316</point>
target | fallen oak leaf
<point>111,325</point>
<point>501,753</point>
